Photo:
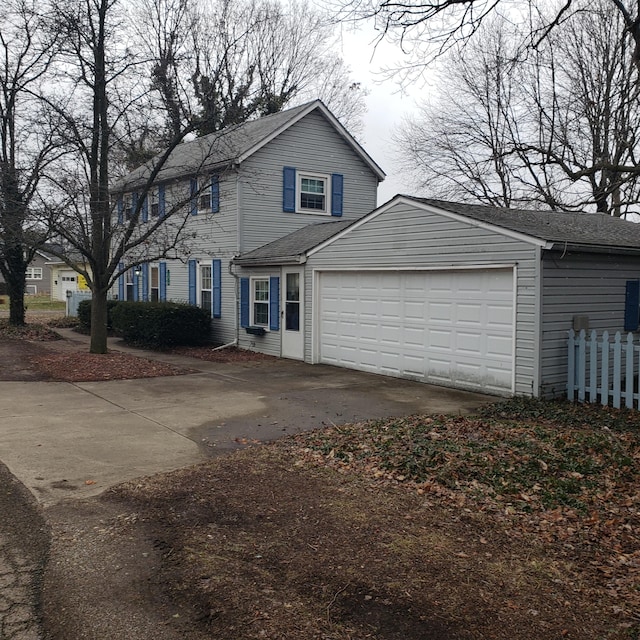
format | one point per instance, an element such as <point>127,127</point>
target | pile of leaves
<point>569,475</point>
<point>32,331</point>
<point>89,367</point>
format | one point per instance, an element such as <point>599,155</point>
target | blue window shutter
<point>289,189</point>
<point>216,271</point>
<point>632,305</point>
<point>121,282</point>
<point>337,182</point>
<point>120,210</point>
<point>145,282</point>
<point>215,194</point>
<point>244,302</point>
<point>162,276</point>
<point>145,209</point>
<point>274,303</point>
<point>193,191</point>
<point>192,282</point>
<point>162,207</point>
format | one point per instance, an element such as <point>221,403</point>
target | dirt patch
<point>265,544</point>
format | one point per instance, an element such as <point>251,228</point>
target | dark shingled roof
<point>230,145</point>
<point>293,246</point>
<point>576,229</point>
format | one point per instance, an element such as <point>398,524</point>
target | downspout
<point>238,251</point>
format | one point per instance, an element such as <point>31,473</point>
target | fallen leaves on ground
<point>90,367</point>
<point>32,331</point>
<point>571,478</point>
<point>228,354</point>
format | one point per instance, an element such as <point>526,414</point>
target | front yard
<point>519,523</point>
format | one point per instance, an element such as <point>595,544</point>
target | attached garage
<point>459,295</point>
<point>453,327</point>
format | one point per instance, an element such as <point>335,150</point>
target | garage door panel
<point>453,328</point>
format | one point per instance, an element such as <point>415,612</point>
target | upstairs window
<point>205,195</point>
<point>155,202</point>
<point>313,193</point>
<point>310,192</point>
<point>34,273</point>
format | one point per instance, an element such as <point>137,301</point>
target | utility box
<point>580,323</point>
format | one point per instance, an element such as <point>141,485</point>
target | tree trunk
<point>98,321</point>
<point>15,289</point>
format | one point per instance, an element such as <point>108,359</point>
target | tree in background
<point>100,97</point>
<point>28,142</point>
<point>221,63</point>
<point>555,127</point>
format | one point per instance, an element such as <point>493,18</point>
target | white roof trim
<point>312,106</point>
<point>532,240</point>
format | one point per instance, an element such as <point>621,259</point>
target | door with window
<point>292,291</point>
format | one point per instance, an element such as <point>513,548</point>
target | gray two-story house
<point>241,188</point>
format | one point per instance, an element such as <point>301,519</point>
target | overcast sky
<point>387,104</point>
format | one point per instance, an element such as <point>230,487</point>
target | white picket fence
<point>603,370</point>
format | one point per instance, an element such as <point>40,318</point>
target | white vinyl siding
<point>405,237</point>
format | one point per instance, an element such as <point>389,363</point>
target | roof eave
<point>564,247</point>
<point>271,261</point>
<point>349,139</point>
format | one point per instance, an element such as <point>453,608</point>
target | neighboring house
<point>242,187</point>
<point>466,296</point>
<point>65,279</point>
<point>38,275</point>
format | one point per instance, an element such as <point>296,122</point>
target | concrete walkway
<point>65,440</point>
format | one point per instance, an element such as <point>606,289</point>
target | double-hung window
<point>34,273</point>
<point>155,202</point>
<point>260,302</point>
<point>313,193</point>
<point>206,288</point>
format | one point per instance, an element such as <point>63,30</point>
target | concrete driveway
<point>67,440</point>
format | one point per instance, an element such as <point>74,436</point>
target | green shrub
<point>161,324</point>
<point>84,313</point>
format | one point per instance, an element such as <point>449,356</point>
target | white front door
<point>292,306</point>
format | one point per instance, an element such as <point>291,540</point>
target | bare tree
<point>225,62</point>
<point>28,142</point>
<point>556,128</point>
<point>103,92</point>
<point>425,28</point>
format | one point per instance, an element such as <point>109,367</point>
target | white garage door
<point>453,328</point>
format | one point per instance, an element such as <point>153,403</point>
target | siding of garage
<point>406,236</point>
<point>589,285</point>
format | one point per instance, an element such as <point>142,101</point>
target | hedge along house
<point>241,187</point>
<point>472,297</point>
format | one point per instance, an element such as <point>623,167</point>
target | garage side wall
<point>589,285</point>
<point>411,238</point>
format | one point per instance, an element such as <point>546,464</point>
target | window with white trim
<point>34,273</point>
<point>260,302</point>
<point>127,208</point>
<point>206,288</point>
<point>154,202</point>
<point>313,195</point>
